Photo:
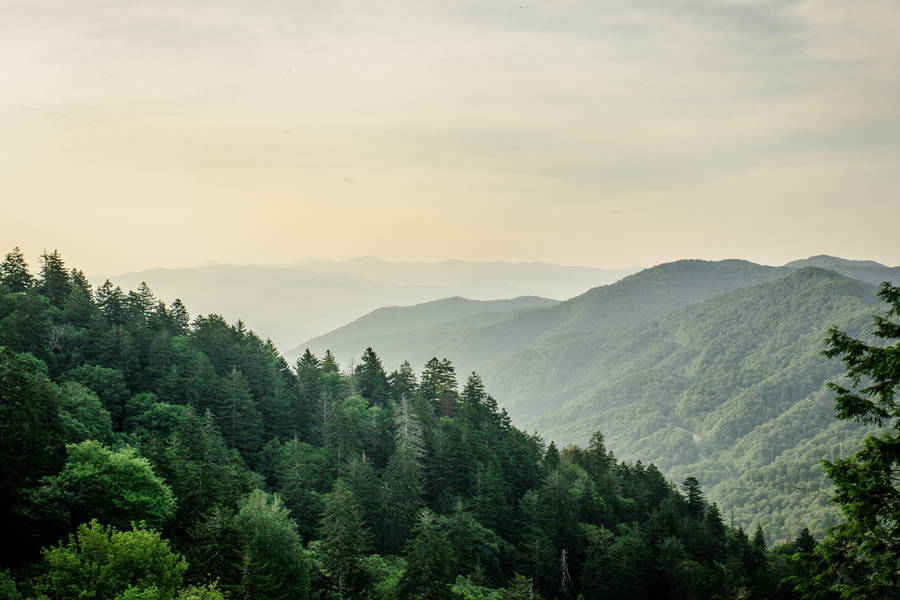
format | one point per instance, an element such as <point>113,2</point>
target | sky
<point>603,133</point>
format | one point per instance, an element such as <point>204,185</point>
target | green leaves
<point>859,557</point>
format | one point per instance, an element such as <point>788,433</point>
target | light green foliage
<point>205,592</point>
<point>274,564</point>
<point>116,487</point>
<point>99,562</point>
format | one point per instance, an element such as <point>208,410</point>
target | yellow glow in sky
<point>139,134</point>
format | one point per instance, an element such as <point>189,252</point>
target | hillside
<point>150,455</point>
<point>864,270</point>
<point>291,303</point>
<point>394,321</point>
<point>634,299</point>
<point>730,389</point>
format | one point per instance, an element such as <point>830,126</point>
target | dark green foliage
<point>439,386</point>
<point>240,461</point>
<point>32,435</point>
<point>344,539</point>
<point>859,557</point>
<point>371,380</point>
<point>83,415</point>
<point>429,558</point>
<point>273,564</point>
<point>54,282</point>
<point>14,274</point>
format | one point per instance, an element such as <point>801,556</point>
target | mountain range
<point>297,301</point>
<point>703,368</point>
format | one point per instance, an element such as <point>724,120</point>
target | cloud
<point>583,104</point>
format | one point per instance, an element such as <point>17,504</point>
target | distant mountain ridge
<point>293,302</point>
<point>394,320</point>
<point>636,298</point>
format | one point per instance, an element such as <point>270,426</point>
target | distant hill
<point>729,389</point>
<point>709,368</point>
<point>634,299</point>
<point>864,270</point>
<point>289,303</point>
<point>395,321</point>
<point>825,261</point>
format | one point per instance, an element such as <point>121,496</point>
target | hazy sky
<point>168,132</point>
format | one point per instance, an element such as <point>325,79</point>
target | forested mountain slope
<point>730,389</point>
<point>634,299</point>
<point>151,455</point>
<point>397,320</point>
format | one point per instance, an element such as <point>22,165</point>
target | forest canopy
<point>148,454</point>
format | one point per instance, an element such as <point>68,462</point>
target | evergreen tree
<point>111,301</point>
<point>240,420</point>
<point>429,558</point>
<point>344,538</point>
<point>31,436</point>
<point>694,497</point>
<point>859,557</point>
<point>54,279</point>
<point>14,274</point>
<point>371,380</point>
<point>404,479</point>
<point>551,457</point>
<point>329,364</point>
<point>805,542</point>
<point>180,317</point>
<point>439,386</point>
<point>403,382</point>
<point>759,538</point>
<point>274,564</point>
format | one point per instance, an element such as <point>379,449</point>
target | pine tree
<point>429,558</point>
<point>329,364</point>
<point>403,382</point>
<point>805,542</point>
<point>759,538</point>
<point>859,557</point>
<point>404,478</point>
<point>241,423</point>
<point>14,272</point>
<point>694,497</point>
<point>111,301</point>
<point>54,282</point>
<point>80,283</point>
<point>371,380</point>
<point>439,386</point>
<point>551,457</point>
<point>343,536</point>
<point>180,317</point>
<point>140,303</point>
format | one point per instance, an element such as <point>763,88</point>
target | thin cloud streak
<point>482,130</point>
